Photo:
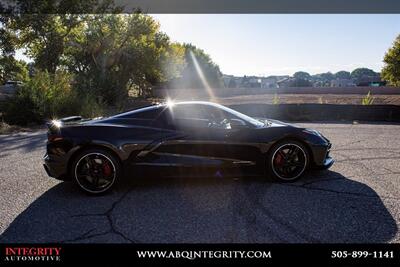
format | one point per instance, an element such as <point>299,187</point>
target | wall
<point>321,112</point>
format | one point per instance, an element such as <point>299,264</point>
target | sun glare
<point>56,123</point>
<point>170,102</point>
<point>202,77</point>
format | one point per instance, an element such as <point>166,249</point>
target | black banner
<point>260,254</point>
<point>202,6</point>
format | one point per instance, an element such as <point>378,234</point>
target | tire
<point>284,165</point>
<point>96,171</point>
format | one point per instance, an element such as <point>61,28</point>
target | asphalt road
<point>356,201</point>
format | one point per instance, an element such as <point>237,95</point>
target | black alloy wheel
<point>96,171</point>
<point>288,160</point>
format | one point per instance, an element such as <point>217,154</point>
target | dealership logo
<point>32,254</point>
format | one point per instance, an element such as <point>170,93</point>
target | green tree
<point>107,54</point>
<point>302,75</point>
<point>10,68</point>
<point>44,28</point>
<point>363,72</point>
<point>44,96</point>
<point>45,36</point>
<point>342,75</point>
<point>199,71</point>
<point>296,82</point>
<point>47,96</point>
<point>391,69</point>
<point>327,76</point>
<point>116,53</point>
<point>323,79</point>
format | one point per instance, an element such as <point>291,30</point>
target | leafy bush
<point>89,107</point>
<point>47,96</point>
<point>391,69</point>
<point>368,99</point>
<point>276,100</point>
<point>20,110</point>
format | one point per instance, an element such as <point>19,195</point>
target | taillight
<point>54,137</point>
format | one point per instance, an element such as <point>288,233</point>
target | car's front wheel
<point>287,161</point>
<point>96,171</point>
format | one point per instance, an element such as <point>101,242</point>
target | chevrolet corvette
<point>191,138</point>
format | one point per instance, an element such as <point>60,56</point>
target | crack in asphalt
<point>84,236</point>
<point>390,171</point>
<point>305,185</point>
<point>254,198</point>
<point>349,144</point>
<point>367,148</point>
<point>340,192</point>
<point>349,160</point>
<point>108,214</point>
<point>362,159</point>
<point>243,208</point>
<point>372,171</point>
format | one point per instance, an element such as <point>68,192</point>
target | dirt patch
<point>309,99</point>
<point>9,129</point>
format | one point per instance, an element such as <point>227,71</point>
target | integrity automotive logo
<point>32,254</point>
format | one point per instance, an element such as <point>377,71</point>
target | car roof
<point>197,103</point>
<point>163,105</point>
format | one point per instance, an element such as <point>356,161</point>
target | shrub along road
<point>356,201</point>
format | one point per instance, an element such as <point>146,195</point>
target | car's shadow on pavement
<point>322,207</point>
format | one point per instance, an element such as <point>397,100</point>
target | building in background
<point>343,83</point>
<point>284,81</point>
<point>374,81</point>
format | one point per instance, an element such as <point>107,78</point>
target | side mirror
<point>237,123</point>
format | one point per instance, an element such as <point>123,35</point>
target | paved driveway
<point>356,201</point>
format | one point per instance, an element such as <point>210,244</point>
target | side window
<point>145,117</point>
<point>188,112</point>
<point>189,116</point>
<point>215,114</point>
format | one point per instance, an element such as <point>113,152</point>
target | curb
<point>321,112</point>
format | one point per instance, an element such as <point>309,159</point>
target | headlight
<point>314,132</point>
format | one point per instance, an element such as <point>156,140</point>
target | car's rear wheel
<point>287,161</point>
<point>96,171</point>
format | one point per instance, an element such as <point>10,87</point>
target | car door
<point>203,143</point>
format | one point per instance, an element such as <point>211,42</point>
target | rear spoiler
<point>72,118</point>
<point>55,125</point>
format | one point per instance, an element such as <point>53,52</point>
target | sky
<point>265,44</point>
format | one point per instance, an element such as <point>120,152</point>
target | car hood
<point>275,123</point>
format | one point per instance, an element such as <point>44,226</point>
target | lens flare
<point>202,77</point>
<point>170,102</point>
<point>56,123</point>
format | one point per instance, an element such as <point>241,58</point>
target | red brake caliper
<point>106,169</point>
<point>278,159</point>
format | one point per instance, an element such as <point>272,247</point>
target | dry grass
<point>10,129</point>
<point>309,98</point>
<point>7,129</point>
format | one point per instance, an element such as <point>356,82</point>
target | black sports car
<point>186,138</point>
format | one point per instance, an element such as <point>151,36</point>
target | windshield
<point>205,110</point>
<point>247,119</point>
